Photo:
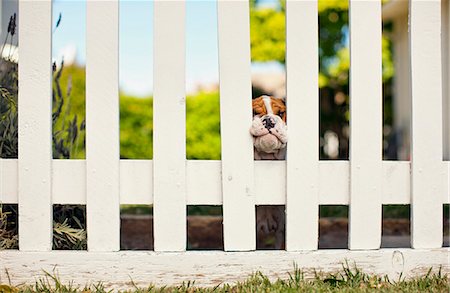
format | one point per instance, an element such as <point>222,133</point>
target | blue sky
<point>136,45</point>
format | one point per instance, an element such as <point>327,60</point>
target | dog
<point>269,133</point>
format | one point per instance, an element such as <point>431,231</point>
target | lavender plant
<point>69,221</point>
<point>8,96</point>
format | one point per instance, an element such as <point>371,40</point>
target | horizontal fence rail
<point>170,182</point>
<point>204,180</point>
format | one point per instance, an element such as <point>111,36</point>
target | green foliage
<point>267,27</point>
<point>203,126</point>
<point>268,42</point>
<point>68,115</point>
<point>204,210</point>
<point>8,97</point>
<point>136,127</point>
<point>69,227</point>
<point>267,35</point>
<point>8,110</point>
<point>9,239</point>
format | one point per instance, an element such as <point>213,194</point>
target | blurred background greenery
<point>268,46</point>
<point>203,112</point>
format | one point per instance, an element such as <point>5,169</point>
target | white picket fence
<point>170,182</point>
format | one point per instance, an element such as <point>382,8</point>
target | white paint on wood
<point>102,125</point>
<point>270,179</point>
<point>136,181</point>
<point>396,188</point>
<point>204,182</point>
<point>427,181</point>
<point>210,268</point>
<point>302,181</point>
<point>334,178</point>
<point>69,182</point>
<point>365,125</point>
<point>169,120</point>
<point>8,181</point>
<point>136,188</point>
<point>35,126</point>
<point>236,117</point>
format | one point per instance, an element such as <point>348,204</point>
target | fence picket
<point>236,117</point>
<point>302,198</point>
<point>365,125</point>
<point>427,182</point>
<point>169,120</point>
<point>35,181</point>
<point>35,126</point>
<point>102,126</point>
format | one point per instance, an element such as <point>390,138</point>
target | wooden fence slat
<point>236,117</point>
<point>169,120</point>
<point>102,125</point>
<point>35,126</point>
<point>365,124</point>
<point>302,59</point>
<point>427,180</point>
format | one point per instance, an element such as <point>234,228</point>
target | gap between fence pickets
<point>117,269</point>
<point>204,182</point>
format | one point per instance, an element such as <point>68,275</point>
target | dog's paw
<point>258,128</point>
<point>280,131</point>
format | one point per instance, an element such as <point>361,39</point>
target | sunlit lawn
<point>347,280</point>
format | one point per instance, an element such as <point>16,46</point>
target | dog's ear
<point>279,108</point>
<point>258,106</point>
<point>283,99</point>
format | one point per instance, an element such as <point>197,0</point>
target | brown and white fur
<point>269,133</point>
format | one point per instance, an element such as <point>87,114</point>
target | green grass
<point>347,280</point>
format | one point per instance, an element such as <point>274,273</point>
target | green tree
<point>268,43</point>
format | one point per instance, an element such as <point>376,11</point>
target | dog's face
<point>264,105</point>
<point>269,124</point>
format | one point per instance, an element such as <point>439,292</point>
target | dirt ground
<point>205,232</point>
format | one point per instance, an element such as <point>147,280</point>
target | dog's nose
<point>268,123</point>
